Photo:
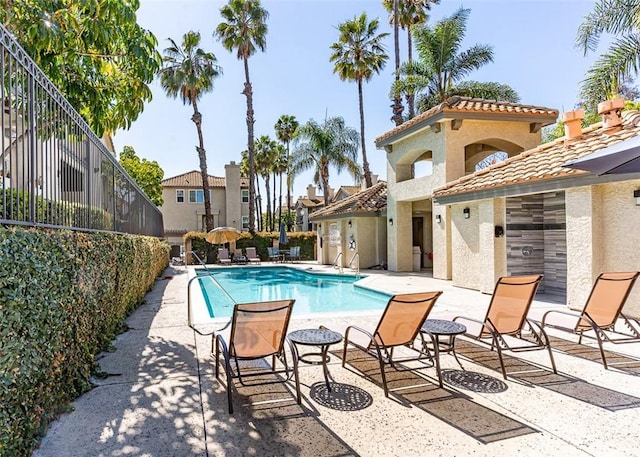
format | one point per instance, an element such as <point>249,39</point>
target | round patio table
<point>449,329</point>
<point>321,337</point>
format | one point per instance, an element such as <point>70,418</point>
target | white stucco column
<point>442,242</point>
<point>584,242</point>
<point>493,256</point>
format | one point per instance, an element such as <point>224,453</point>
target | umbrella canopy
<point>223,235</point>
<point>283,239</point>
<point>622,157</point>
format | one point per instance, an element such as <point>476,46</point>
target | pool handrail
<point>200,261</point>
<point>356,258</point>
<point>335,263</point>
<point>210,276</point>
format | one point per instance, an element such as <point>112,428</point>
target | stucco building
<point>183,208</point>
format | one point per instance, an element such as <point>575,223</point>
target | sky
<point>534,52</point>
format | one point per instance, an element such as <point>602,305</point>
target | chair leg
<point>497,345</point>
<point>602,355</point>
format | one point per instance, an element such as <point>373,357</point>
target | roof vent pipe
<point>611,111</point>
<point>573,123</point>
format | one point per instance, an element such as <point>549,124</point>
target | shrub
<point>63,297</point>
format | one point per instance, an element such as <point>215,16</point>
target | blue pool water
<point>313,292</point>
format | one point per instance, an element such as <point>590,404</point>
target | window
<point>180,196</point>
<point>245,222</point>
<point>197,196</point>
<point>245,196</point>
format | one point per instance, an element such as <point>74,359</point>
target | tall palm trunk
<point>248,92</point>
<point>273,212</point>
<point>365,163</point>
<point>324,178</point>
<point>280,202</point>
<point>289,224</point>
<point>410,96</point>
<point>197,119</point>
<point>397,101</point>
<point>259,200</point>
<point>268,224</point>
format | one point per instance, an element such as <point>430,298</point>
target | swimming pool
<point>313,292</point>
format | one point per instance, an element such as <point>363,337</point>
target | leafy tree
<point>245,30</point>
<point>93,51</point>
<point>442,66</point>
<point>410,14</point>
<point>147,175</point>
<point>319,146</point>
<point>189,72</point>
<point>286,129</point>
<point>357,55</point>
<point>608,74</point>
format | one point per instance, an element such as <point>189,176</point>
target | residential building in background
<point>183,208</point>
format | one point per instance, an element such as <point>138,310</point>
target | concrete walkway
<point>161,397</point>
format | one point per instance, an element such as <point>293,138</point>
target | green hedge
<point>63,298</point>
<point>261,241</point>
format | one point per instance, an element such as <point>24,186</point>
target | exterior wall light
<point>390,221</point>
<point>438,218</point>
<point>349,224</point>
<point>636,195</point>
<point>467,213</point>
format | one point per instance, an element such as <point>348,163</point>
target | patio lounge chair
<point>274,254</point>
<point>399,326</point>
<point>223,256</point>
<point>256,331</point>
<point>294,253</point>
<point>601,313</point>
<point>239,257</point>
<point>507,316</point>
<point>252,257</point>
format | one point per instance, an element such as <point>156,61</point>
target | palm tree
<point>396,107</point>
<point>244,169</point>
<point>442,66</point>
<point>411,13</point>
<point>245,30</point>
<point>606,78</point>
<point>357,56</point>
<point>286,128</point>
<point>264,158</point>
<point>280,165</point>
<point>319,146</point>
<point>189,71</point>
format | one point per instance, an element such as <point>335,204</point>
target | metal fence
<point>55,171</point>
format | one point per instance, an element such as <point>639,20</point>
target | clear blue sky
<point>534,52</point>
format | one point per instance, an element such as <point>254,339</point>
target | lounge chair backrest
<point>251,252</point>
<point>237,253</point>
<point>259,329</point>
<point>510,302</point>
<point>294,251</point>
<point>223,253</point>
<point>403,317</point>
<point>607,297</point>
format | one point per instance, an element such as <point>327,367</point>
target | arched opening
<point>482,154</point>
<point>415,164</point>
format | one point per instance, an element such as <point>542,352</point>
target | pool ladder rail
<point>355,259</point>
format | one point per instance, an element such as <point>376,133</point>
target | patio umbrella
<point>221,235</point>
<point>283,239</point>
<point>622,157</point>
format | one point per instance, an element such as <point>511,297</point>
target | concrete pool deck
<point>161,398</point>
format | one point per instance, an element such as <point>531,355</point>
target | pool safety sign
<point>334,235</point>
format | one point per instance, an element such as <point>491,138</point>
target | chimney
<point>573,123</point>
<point>611,111</point>
<point>311,192</point>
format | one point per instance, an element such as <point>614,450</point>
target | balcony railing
<point>54,171</point>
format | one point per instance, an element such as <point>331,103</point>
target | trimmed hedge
<point>261,241</point>
<point>63,298</point>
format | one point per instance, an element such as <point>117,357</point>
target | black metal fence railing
<point>54,171</point>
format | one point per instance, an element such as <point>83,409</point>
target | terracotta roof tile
<point>371,200</point>
<point>193,179</point>
<point>310,203</point>
<point>461,105</point>
<point>544,161</point>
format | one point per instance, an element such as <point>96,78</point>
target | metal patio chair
<point>256,331</point>
<point>399,325</point>
<point>507,317</point>
<point>601,313</point>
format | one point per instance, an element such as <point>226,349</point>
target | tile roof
<point>310,203</point>
<point>371,200</point>
<point>545,161</point>
<point>348,190</point>
<point>193,179</point>
<point>459,107</point>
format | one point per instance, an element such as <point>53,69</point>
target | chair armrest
<point>572,314</point>
<point>483,325</point>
